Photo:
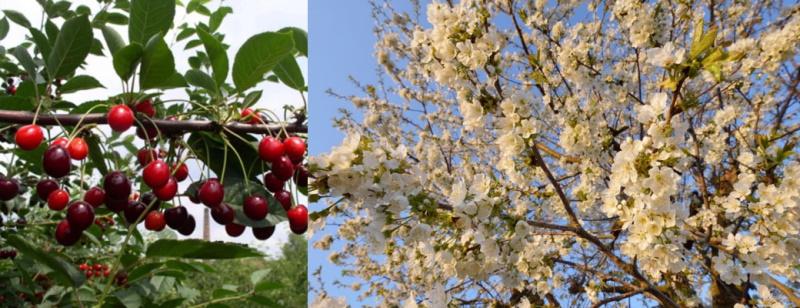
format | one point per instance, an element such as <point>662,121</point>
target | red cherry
<point>133,211</point>
<point>58,200</point>
<point>145,156</point>
<point>168,191</point>
<point>29,137</point>
<point>251,116</point>
<point>78,149</point>
<point>97,267</point>
<point>95,196</point>
<point>60,141</point>
<point>150,199</point>
<point>284,198</point>
<point>181,172</point>
<point>234,230</point>
<point>273,183</point>
<point>222,214</point>
<point>80,215</point>
<point>211,193</point>
<point>270,149</point>
<point>83,267</point>
<point>147,132</point>
<point>176,216</point>
<point>298,219</point>
<point>65,235</point>
<point>255,207</point>
<point>283,168</point>
<point>11,90</point>
<point>263,233</point>
<point>156,174</point>
<point>45,187</point>
<point>188,226</point>
<point>117,186</point>
<point>295,148</point>
<point>146,107</point>
<point>56,162</point>
<point>9,189</point>
<point>120,118</point>
<point>155,221</point>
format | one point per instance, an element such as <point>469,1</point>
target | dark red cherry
<point>283,168</point>
<point>188,226</point>
<point>223,214</point>
<point>95,196</point>
<point>181,172</point>
<point>301,176</point>
<point>156,173</point>
<point>146,132</point>
<point>295,148</point>
<point>133,211</point>
<point>150,199</point>
<point>145,156</point>
<point>168,191</point>
<point>45,187</point>
<point>255,207</point>
<point>117,186</point>
<point>80,215</point>
<point>234,230</point>
<point>270,149</point>
<point>263,233</point>
<point>116,205</point>
<point>273,183</point>
<point>176,216</point>
<point>211,193</point>
<point>56,162</point>
<point>65,235</point>
<point>146,107</point>
<point>8,189</point>
<point>298,219</point>
<point>285,199</point>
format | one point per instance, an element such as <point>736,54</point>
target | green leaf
<point>63,270</point>
<point>184,34</point>
<point>97,48</point>
<point>259,55</point>
<point>52,31</point>
<point>117,18</point>
<point>81,82</point>
<point>252,98</point>
<point>4,26</point>
<point>216,54</point>
<point>142,270</point>
<point>215,20</point>
<point>148,18</point>
<point>705,42</point>
<point>158,65</point>
<point>300,37</point>
<point>263,301</point>
<point>289,73</point>
<point>126,59</point>
<point>16,103</point>
<point>25,59</point>
<point>267,285</point>
<point>114,41</point>
<point>95,152</point>
<point>41,42</point>
<point>199,249</point>
<point>17,18</point>
<point>200,79</point>
<point>71,47</point>
<point>174,81</point>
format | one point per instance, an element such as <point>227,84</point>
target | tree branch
<point>165,126</point>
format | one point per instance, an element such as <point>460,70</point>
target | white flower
<point>656,107</point>
<point>665,55</point>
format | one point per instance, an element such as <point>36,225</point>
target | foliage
<point>571,154</point>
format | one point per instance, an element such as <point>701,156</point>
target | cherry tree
<point>571,153</point>
<point>80,176</point>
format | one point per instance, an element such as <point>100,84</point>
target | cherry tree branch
<point>165,126</point>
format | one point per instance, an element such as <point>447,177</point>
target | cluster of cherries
<point>8,254</point>
<point>286,158</point>
<point>96,270</point>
